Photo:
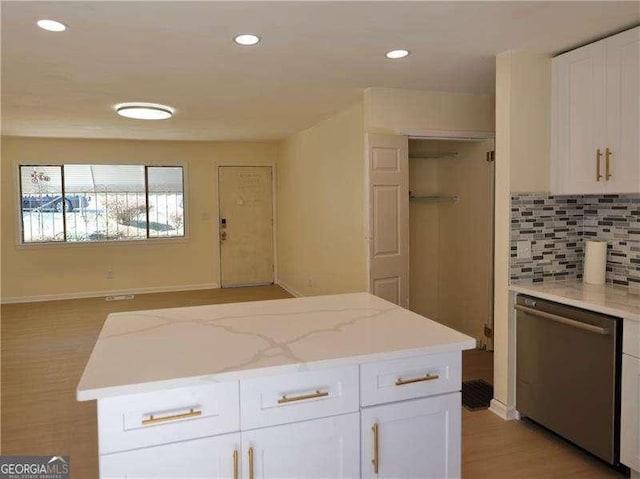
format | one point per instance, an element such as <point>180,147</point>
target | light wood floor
<point>45,347</point>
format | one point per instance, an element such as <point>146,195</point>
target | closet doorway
<point>451,206</point>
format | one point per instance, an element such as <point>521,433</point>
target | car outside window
<point>85,203</point>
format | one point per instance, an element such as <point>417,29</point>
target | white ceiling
<point>315,59</point>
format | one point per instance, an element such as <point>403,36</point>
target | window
<point>84,203</point>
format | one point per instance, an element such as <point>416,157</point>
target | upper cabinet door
<point>623,112</point>
<point>578,121</point>
<point>596,117</point>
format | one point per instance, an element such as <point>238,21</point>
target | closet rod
<point>432,198</point>
<point>435,156</point>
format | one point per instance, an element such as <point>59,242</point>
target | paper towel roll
<point>595,261</point>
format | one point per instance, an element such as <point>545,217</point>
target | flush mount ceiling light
<point>144,111</point>
<point>51,25</point>
<point>395,54</point>
<point>246,39</point>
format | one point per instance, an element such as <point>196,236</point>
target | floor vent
<point>476,394</point>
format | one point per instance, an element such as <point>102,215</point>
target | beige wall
<point>393,110</point>
<point>529,125</point>
<point>29,271</point>
<point>321,177</point>
<point>523,113</point>
<point>424,236</point>
<point>451,241</point>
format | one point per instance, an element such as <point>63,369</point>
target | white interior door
<point>388,192</point>
<point>246,225</point>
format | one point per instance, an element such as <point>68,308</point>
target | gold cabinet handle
<point>251,463</point>
<point>426,377</point>
<point>598,158</point>
<point>235,464</point>
<point>607,156</point>
<point>376,459</point>
<point>174,417</point>
<point>318,394</point>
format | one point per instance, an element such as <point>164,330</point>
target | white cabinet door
<point>210,457</point>
<point>578,127</point>
<point>415,439</point>
<point>630,413</point>
<point>321,448</point>
<point>623,111</point>
<point>595,146</point>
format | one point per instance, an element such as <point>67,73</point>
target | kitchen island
<point>330,386</point>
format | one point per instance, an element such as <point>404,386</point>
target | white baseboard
<point>113,292</point>
<point>289,289</point>
<point>502,411</point>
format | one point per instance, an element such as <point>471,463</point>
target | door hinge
<point>488,332</point>
<point>491,156</point>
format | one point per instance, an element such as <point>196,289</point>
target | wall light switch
<point>524,249</point>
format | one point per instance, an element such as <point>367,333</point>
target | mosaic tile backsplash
<point>557,227</point>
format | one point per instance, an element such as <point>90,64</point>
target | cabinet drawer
<point>299,396</point>
<point>408,378</point>
<point>631,338</point>
<point>148,419</point>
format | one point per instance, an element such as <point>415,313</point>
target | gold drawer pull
<point>598,158</point>
<point>376,459</point>
<point>235,464</point>
<point>318,394</point>
<point>154,420</point>
<point>426,377</point>
<point>607,156</point>
<point>251,463</point>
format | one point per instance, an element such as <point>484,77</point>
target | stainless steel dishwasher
<point>568,373</point>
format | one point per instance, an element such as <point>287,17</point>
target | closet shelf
<point>434,156</point>
<point>413,197</point>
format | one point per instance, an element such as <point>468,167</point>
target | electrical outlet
<point>109,274</point>
<point>524,249</point>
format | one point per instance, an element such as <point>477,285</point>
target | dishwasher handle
<point>561,319</point>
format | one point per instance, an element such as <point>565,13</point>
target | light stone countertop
<point>606,298</point>
<point>152,350</point>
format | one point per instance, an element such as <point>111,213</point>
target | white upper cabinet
<point>622,101</point>
<point>595,146</point>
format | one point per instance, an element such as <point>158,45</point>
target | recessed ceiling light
<point>144,111</point>
<point>51,25</point>
<point>246,39</point>
<point>395,54</point>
